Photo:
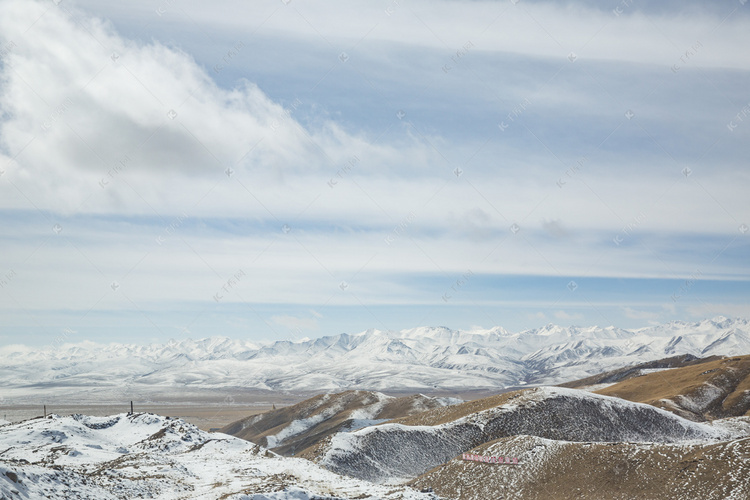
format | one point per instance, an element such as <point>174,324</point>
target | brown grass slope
<point>563,470</point>
<point>447,414</point>
<point>705,391</point>
<point>632,385</point>
<point>335,410</point>
<point>388,452</point>
<point>628,372</point>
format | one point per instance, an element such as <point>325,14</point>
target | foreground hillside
<point>409,447</point>
<point>149,456</point>
<point>557,442</point>
<point>594,471</point>
<point>297,427</point>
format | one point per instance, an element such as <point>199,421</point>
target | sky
<point>283,169</point>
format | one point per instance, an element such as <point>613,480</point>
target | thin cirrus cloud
<point>356,156</point>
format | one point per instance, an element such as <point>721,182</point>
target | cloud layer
<point>380,152</point>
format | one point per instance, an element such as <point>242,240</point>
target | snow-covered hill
<point>419,360</point>
<point>395,450</point>
<point>149,456</point>
<point>297,427</point>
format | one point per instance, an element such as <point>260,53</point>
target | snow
<point>296,427</point>
<point>362,417</point>
<point>393,452</point>
<point>145,455</point>
<point>450,401</point>
<point>417,359</point>
<point>288,494</point>
<point>702,398</point>
<point>646,371</point>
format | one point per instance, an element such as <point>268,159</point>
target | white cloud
<point>102,124</point>
<point>85,108</point>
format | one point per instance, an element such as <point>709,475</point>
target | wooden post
<point>131,407</point>
<point>45,411</point>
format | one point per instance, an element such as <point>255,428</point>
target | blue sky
<point>295,169</point>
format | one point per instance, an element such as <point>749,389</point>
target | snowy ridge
<point>294,429</point>
<point>149,456</point>
<point>382,453</point>
<point>362,417</point>
<point>436,359</point>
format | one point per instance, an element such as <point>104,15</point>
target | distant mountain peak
<point>418,359</point>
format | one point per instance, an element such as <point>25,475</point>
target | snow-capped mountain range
<point>421,359</point>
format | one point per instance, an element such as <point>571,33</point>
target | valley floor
<point>203,416</point>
